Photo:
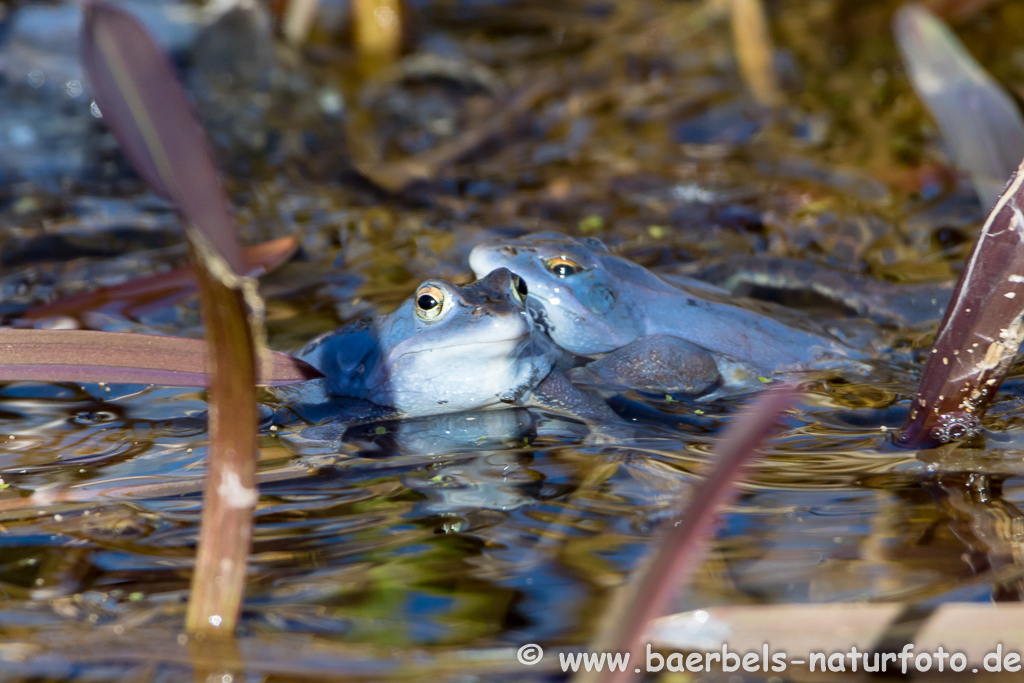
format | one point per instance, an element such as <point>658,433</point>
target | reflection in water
<point>912,538</point>
<point>990,528</point>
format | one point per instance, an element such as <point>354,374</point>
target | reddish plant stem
<point>150,115</point>
<point>230,496</point>
<point>683,544</point>
<point>139,295</point>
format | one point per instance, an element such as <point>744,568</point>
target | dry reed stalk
<point>754,52</point>
<point>377,28</point>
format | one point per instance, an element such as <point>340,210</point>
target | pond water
<point>624,121</point>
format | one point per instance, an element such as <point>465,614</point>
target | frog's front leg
<point>557,394</point>
<point>657,363</point>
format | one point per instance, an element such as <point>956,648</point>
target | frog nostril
<point>511,251</point>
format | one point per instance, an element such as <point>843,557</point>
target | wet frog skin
<point>451,349</point>
<point>650,334</point>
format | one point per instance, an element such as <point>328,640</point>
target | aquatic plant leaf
<point>979,121</point>
<point>682,545</point>
<point>92,356</point>
<point>143,294</point>
<point>149,114</point>
<point>154,124</point>
<point>980,334</point>
<point>230,496</point>
<point>754,53</point>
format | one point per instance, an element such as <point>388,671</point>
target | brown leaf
<point>153,292</point>
<point>91,356</point>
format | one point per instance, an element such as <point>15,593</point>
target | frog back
<point>716,321</point>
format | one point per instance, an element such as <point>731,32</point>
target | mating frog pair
<point>504,339</point>
<point>452,349</point>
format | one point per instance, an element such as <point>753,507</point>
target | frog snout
<point>484,259</point>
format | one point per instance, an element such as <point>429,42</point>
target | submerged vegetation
<point>777,151</point>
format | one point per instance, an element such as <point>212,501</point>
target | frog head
<point>448,348</point>
<point>574,284</point>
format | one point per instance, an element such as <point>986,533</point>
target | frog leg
<point>903,305</point>
<point>657,363</point>
<point>557,394</point>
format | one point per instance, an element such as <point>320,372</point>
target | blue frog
<point>687,337</point>
<point>449,349</point>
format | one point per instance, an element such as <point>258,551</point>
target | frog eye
<point>562,267</point>
<point>519,289</point>
<point>430,302</point>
